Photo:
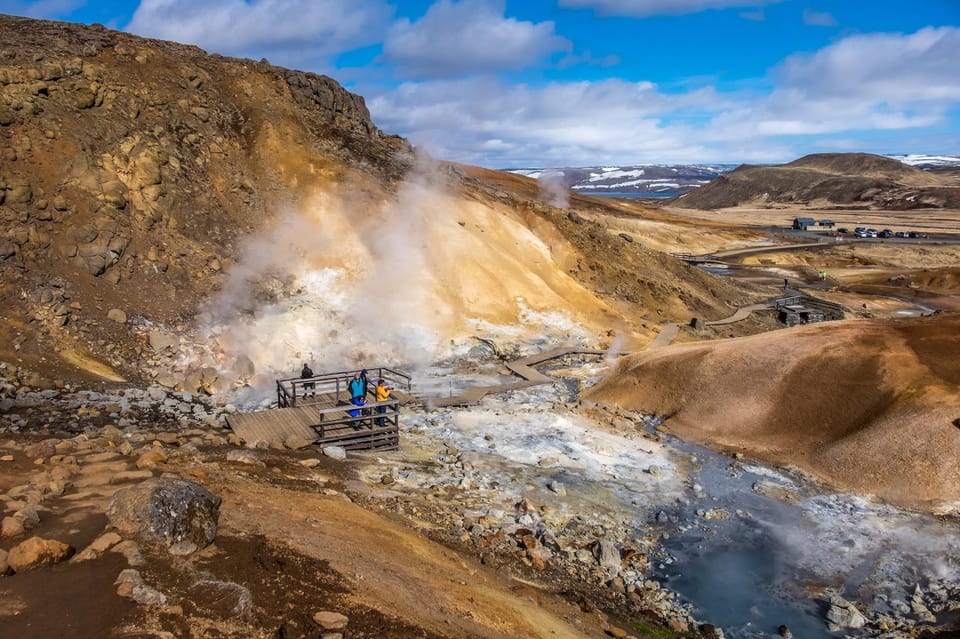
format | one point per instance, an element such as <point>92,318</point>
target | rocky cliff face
<point>129,168</point>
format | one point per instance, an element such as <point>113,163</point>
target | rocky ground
<point>299,550</point>
<point>140,504</point>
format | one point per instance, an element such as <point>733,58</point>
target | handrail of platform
<point>391,414</point>
<point>331,383</point>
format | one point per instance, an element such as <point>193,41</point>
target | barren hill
<point>825,180</point>
<point>867,405</point>
<point>148,186</point>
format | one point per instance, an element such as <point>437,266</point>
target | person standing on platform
<point>309,388</point>
<point>357,387</point>
<point>383,394</point>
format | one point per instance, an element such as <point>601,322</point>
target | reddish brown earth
<point>867,405</point>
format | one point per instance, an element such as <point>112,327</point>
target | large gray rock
<point>843,614</point>
<point>182,515</point>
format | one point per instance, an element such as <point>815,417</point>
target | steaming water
<point>767,564</point>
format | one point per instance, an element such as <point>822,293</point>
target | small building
<point>827,224</point>
<point>802,223</point>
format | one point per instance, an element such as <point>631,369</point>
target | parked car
<point>900,234</point>
<point>886,233</point>
<point>842,230</point>
<point>873,233</point>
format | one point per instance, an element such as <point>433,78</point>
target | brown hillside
<point>866,405</point>
<point>828,179</point>
<point>152,178</point>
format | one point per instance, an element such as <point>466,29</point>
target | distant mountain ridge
<point>829,180</point>
<point>653,180</point>
<point>670,180</point>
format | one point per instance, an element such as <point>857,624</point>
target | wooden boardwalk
<point>524,368</point>
<point>322,426</point>
<point>316,410</point>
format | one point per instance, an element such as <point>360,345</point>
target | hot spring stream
<point>749,547</point>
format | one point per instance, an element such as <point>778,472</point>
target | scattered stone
<point>181,514</point>
<point>12,527</point>
<point>334,452</point>
<point>117,315</point>
<point>100,545</point>
<point>130,551</point>
<point>310,463</point>
<point>161,341</point>
<point>171,439</point>
<point>242,457</point>
<point>607,555</point>
<point>151,458</point>
<point>130,584</point>
<point>4,566</point>
<point>329,620</point>
<point>296,443</point>
<point>557,488</point>
<point>37,551</point>
<point>130,475</point>
<point>784,632</point>
<point>616,632</point>
<point>29,516</point>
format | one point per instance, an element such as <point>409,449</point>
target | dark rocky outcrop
<point>182,515</point>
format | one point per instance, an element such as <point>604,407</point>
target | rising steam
<point>339,283</point>
<point>553,189</point>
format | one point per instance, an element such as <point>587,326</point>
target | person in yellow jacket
<point>383,394</point>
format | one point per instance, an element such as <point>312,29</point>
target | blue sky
<point>505,83</point>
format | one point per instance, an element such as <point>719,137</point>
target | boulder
<point>182,515</point>
<point>4,566</point>
<point>329,620</point>
<point>37,551</point>
<point>843,614</point>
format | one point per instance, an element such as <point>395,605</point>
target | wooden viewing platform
<point>317,410</point>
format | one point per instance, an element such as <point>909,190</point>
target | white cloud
<point>485,121</point>
<point>883,67</point>
<point>646,8</point>
<point>865,82</point>
<point>471,36</point>
<point>817,19</point>
<point>879,82</point>
<point>294,33</point>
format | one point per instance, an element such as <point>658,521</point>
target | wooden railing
<point>334,385</point>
